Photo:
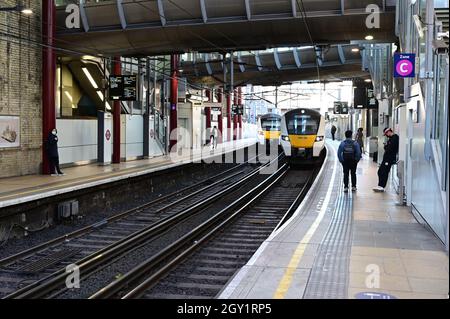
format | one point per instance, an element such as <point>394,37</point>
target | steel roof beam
<point>208,66</point>
<point>123,20</point>
<point>241,63</point>
<point>248,9</point>
<point>204,12</point>
<point>294,8</point>
<point>258,61</point>
<point>161,13</point>
<point>343,7</point>
<point>297,58</point>
<point>277,59</point>
<point>341,54</point>
<point>84,18</point>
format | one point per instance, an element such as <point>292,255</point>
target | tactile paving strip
<point>329,275</point>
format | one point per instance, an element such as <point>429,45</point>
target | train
<point>302,135</point>
<point>269,128</point>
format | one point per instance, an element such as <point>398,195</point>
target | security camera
<point>440,47</point>
<point>441,35</point>
<point>419,25</point>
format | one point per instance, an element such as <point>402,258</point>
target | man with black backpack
<point>349,154</point>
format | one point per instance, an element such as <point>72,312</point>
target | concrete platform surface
<point>22,189</point>
<point>345,246</point>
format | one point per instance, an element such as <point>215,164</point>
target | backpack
<point>349,152</point>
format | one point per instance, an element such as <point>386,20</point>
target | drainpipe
<point>173,97</point>
<point>240,116</point>
<point>229,137</point>
<point>48,77</point>
<point>235,116</point>
<point>219,95</point>
<point>117,70</point>
<point>220,128</point>
<point>208,121</point>
<point>220,118</point>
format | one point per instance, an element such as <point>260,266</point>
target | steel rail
<point>301,195</point>
<point>87,229</point>
<point>210,227</point>
<point>44,286</point>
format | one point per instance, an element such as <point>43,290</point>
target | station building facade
<point>20,91</point>
<point>417,108</point>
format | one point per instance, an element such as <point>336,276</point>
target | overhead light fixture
<point>369,37</point>
<point>368,80</point>
<point>90,78</point>
<point>27,11</point>
<point>18,8</point>
<point>88,57</point>
<point>355,50</point>
<point>100,95</point>
<point>69,96</point>
<point>108,106</point>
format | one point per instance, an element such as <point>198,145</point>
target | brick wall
<point>20,86</point>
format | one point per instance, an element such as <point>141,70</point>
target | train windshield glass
<point>270,124</point>
<point>302,124</point>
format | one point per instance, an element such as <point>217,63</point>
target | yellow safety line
<point>288,275</point>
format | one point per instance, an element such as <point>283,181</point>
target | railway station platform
<point>19,190</point>
<point>346,246</point>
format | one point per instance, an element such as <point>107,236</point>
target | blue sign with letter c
<point>404,65</point>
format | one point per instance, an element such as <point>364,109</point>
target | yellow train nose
<point>302,141</point>
<point>272,135</point>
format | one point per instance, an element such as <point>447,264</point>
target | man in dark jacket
<point>333,132</point>
<point>52,151</point>
<point>389,159</point>
<point>349,154</point>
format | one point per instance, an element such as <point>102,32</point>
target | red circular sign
<point>108,135</point>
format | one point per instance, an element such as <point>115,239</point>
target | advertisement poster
<point>9,131</point>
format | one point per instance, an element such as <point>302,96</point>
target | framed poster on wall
<point>9,131</point>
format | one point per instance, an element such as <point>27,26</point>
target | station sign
<point>364,98</point>
<point>404,65</point>
<point>123,87</point>
<point>238,109</point>
<point>340,108</point>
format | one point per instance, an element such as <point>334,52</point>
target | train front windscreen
<point>302,124</point>
<point>271,124</point>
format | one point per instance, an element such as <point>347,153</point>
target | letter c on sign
<point>403,67</point>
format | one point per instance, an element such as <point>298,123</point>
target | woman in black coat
<point>52,151</point>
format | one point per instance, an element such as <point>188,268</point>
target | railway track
<point>28,269</point>
<point>199,264</point>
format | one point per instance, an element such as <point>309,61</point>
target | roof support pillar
<point>116,115</point>
<point>48,77</point>
<point>173,98</point>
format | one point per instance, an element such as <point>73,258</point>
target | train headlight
<point>319,138</point>
<point>285,138</point>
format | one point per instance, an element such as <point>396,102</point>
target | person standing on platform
<point>214,137</point>
<point>389,159</point>
<point>349,154</point>
<point>52,151</point>
<point>360,139</point>
<point>333,132</point>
